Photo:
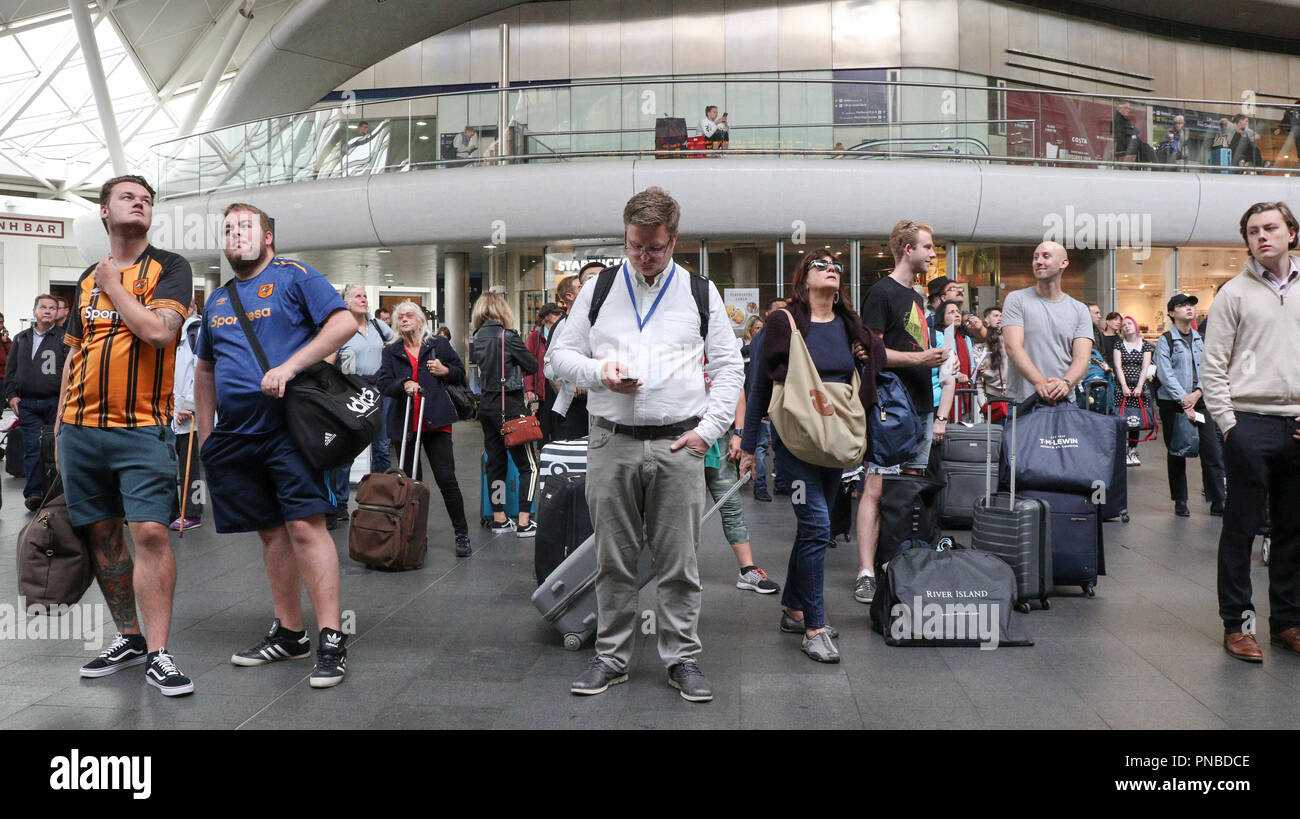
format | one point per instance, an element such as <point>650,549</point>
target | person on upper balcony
<point>715,128</point>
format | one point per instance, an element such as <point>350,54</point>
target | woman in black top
<point>836,340</point>
<point>416,365</point>
<point>493,322</point>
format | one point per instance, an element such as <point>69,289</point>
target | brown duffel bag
<point>55,566</point>
<point>390,527</point>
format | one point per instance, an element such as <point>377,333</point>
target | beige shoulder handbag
<point>822,424</point>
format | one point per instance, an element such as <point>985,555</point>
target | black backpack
<point>605,282</point>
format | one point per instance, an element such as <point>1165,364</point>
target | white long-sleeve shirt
<point>666,354</point>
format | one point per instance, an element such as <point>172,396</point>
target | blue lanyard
<point>642,322</point>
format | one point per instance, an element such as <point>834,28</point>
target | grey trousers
<point>642,496</point>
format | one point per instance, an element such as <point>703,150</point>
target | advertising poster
<point>742,307</point>
<point>1068,127</point>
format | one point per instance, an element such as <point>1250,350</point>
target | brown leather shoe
<point>1288,639</point>
<point>1243,647</point>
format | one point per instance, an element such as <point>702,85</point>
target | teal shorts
<point>118,473</point>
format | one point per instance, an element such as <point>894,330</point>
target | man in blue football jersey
<point>258,479</point>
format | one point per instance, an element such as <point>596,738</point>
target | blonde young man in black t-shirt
<point>896,313</point>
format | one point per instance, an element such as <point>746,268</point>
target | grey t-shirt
<point>1050,330</point>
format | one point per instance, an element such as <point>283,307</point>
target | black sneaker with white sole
<point>125,651</point>
<point>278,644</point>
<point>528,529</point>
<point>497,527</point>
<point>163,674</point>
<point>331,659</point>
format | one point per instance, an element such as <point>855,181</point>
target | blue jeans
<point>804,576</point>
<point>380,461</point>
<point>33,415</point>
<point>760,454</point>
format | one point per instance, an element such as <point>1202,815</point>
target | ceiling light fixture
<point>383,250</point>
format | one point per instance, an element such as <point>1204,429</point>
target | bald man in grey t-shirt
<point>1047,334</point>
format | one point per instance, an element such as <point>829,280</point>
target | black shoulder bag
<point>331,416</point>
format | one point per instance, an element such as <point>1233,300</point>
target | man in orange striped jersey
<point>115,446</point>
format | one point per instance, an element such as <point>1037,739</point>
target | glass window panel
<point>1143,287</point>
<point>1203,270</point>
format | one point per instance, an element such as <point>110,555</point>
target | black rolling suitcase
<point>14,453</point>
<point>1076,539</point>
<point>964,453</point>
<point>563,522</point>
<point>47,468</point>
<point>1016,529</point>
<point>1115,503</point>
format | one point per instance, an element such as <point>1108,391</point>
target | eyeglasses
<point>652,252</point>
<point>822,264</point>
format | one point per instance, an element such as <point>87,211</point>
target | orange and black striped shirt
<point>117,380</point>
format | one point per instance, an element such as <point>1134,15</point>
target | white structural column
<point>238,25</point>
<point>744,266</point>
<point>98,84</point>
<point>211,281</point>
<point>455,271</point>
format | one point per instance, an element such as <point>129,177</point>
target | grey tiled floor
<point>458,645</point>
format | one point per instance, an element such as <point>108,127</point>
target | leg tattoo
<point>114,571</point>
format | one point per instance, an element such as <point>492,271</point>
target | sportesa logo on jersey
<point>90,314</point>
<point>221,321</point>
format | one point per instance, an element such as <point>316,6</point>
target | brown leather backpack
<point>54,562</point>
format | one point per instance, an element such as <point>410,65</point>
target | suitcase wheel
<point>1023,608</point>
<point>572,642</point>
<point>1124,517</point>
<point>1047,604</point>
<point>1089,589</point>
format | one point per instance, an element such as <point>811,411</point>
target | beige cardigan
<point>1251,361</point>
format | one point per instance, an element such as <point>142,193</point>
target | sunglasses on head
<point>822,264</point>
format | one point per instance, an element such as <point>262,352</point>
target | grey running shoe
<point>820,648</point>
<point>687,678</point>
<point>792,626</point>
<point>599,676</point>
<point>127,650</point>
<point>757,580</point>
<point>864,590</point>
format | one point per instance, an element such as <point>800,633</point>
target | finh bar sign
<point>48,228</point>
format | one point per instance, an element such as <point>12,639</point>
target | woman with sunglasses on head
<point>836,341</point>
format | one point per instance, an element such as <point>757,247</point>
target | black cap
<point>1181,298</point>
<point>936,286</point>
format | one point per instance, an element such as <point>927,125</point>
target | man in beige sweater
<point>1251,376</point>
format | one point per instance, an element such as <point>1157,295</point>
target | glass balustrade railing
<point>832,119</point>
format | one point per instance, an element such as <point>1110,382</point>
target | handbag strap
<point>502,385</point>
<point>232,290</point>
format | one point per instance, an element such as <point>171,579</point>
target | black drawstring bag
<point>332,417</point>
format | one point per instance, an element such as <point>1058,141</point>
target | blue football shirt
<point>286,304</point>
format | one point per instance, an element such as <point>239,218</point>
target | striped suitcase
<point>562,457</point>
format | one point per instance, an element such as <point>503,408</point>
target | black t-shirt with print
<point>898,313</point>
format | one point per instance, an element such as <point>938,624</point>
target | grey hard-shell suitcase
<point>567,598</point>
<point>1018,530</point>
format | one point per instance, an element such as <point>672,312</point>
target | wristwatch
<point>943,418</point>
<point>739,432</point>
